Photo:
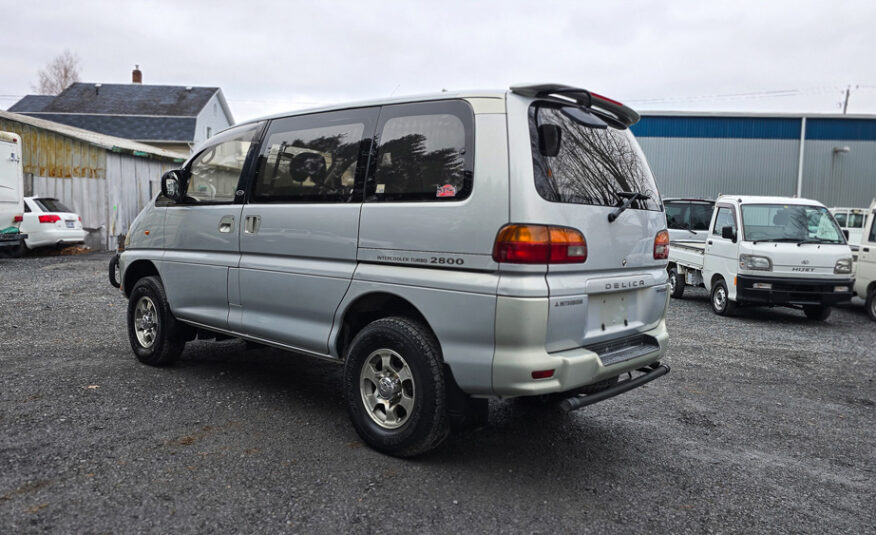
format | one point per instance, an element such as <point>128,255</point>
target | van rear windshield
<point>592,164</point>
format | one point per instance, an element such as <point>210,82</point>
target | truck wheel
<point>394,386</point>
<point>871,304</point>
<point>816,312</point>
<point>721,303</point>
<point>114,271</point>
<point>156,337</point>
<point>676,284</point>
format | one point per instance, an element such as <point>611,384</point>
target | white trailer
<point>11,195</point>
<point>769,251</point>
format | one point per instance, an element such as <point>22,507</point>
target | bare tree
<point>58,74</point>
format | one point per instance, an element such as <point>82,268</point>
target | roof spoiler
<point>623,114</point>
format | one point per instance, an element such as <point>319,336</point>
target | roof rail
<point>623,114</point>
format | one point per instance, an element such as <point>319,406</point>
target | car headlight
<point>754,262</point>
<point>843,265</point>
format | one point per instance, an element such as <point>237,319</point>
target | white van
<point>11,195</point>
<point>444,249</point>
<point>773,251</point>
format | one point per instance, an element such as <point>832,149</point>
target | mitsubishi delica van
<point>444,250</point>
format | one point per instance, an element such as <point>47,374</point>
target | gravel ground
<point>765,425</point>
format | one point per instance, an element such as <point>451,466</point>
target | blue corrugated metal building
<point>704,155</point>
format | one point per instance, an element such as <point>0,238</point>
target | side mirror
<point>846,233</point>
<point>549,137</point>
<point>728,234</point>
<point>171,185</point>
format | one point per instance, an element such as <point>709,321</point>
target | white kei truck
<point>767,251</point>
<point>865,272</point>
<point>11,195</point>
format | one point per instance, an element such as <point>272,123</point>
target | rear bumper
<point>520,351</point>
<point>792,291</point>
<point>56,237</point>
<point>11,240</point>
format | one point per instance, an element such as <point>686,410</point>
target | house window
<point>209,132</point>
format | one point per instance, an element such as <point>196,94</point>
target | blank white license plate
<point>70,223</point>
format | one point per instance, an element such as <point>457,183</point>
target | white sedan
<point>48,222</point>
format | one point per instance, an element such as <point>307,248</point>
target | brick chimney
<point>136,76</point>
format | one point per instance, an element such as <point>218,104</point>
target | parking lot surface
<point>766,424</point>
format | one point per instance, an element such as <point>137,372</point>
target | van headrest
<point>307,164</point>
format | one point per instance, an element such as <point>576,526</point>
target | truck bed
<point>687,253</point>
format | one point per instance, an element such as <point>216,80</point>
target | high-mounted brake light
<point>600,97</point>
<point>49,218</point>
<point>661,245</point>
<point>539,244</point>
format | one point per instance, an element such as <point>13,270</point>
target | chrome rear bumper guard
<point>650,372</point>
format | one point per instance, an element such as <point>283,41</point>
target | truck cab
<point>865,277</point>
<point>776,251</point>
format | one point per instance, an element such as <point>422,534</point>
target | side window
<point>724,219</point>
<point>214,174</point>
<point>425,153</point>
<point>26,208</point>
<point>872,237</point>
<point>700,216</point>
<point>856,220</point>
<point>840,219</point>
<point>317,158</point>
<point>676,215</point>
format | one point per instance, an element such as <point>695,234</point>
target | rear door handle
<point>226,224</point>
<point>709,242</point>
<point>866,249</point>
<point>252,223</point>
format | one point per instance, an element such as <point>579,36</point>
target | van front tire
<point>394,387</point>
<point>156,337</point>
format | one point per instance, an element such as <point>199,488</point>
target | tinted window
<point>724,219</point>
<point>700,216</point>
<point>51,205</point>
<point>26,208</point>
<point>215,172</point>
<point>592,164</point>
<point>314,158</point>
<point>872,237</point>
<point>676,214</point>
<point>425,153</point>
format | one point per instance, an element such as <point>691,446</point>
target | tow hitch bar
<point>651,372</point>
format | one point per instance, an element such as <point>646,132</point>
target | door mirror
<point>171,185</point>
<point>846,233</point>
<point>549,139</point>
<point>728,233</point>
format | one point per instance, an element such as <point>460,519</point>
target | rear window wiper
<point>631,196</point>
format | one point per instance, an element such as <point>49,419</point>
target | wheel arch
<point>370,307</point>
<point>136,271</point>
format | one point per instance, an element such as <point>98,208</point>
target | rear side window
<point>840,219</point>
<point>51,205</point>
<point>593,163</point>
<point>856,220</point>
<point>425,152</point>
<point>318,158</point>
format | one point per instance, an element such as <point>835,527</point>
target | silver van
<point>444,250</point>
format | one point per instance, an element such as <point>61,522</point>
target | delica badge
<point>447,190</point>
<point>380,188</point>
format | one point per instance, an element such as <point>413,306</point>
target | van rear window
<point>592,164</point>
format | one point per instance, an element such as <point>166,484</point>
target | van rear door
<point>586,171</point>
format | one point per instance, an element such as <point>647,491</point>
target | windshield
<point>51,205</point>
<point>594,161</point>
<point>789,222</point>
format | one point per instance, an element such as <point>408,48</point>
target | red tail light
<point>18,219</point>
<point>80,219</point>
<point>539,244</point>
<point>49,218</point>
<point>661,245</point>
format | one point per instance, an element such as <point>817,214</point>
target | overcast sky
<point>777,56</point>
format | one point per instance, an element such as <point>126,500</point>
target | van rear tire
<point>720,300</point>
<point>395,388</point>
<point>871,304</point>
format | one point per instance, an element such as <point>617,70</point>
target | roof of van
<point>764,199</point>
<point>444,95</point>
